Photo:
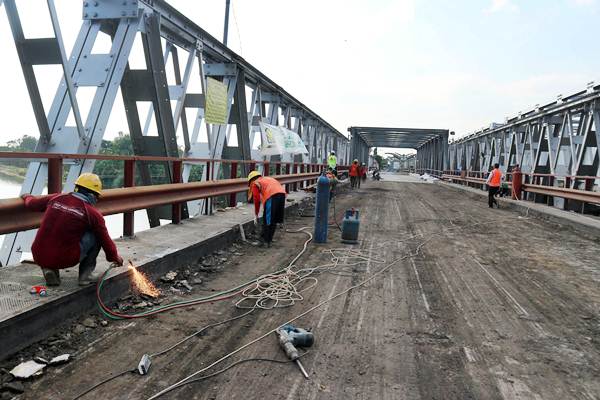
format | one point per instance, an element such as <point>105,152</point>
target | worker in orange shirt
<point>494,180</point>
<point>271,194</point>
<point>354,174</point>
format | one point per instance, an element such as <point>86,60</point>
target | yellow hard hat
<point>252,175</point>
<point>91,182</point>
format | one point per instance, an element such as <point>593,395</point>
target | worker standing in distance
<point>332,161</point>
<point>493,183</point>
<point>354,174</point>
<point>72,231</point>
<point>363,172</point>
<point>272,195</point>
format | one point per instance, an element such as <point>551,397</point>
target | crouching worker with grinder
<point>271,194</point>
<point>72,231</point>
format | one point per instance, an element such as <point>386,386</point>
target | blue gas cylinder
<point>350,226</point>
<point>321,210</point>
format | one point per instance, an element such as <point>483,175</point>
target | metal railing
<point>554,190</point>
<point>14,217</point>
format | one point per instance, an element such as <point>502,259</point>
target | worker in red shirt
<point>354,174</point>
<point>271,194</point>
<point>494,180</point>
<point>72,231</point>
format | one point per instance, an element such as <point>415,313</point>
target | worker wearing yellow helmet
<point>72,231</point>
<point>271,194</point>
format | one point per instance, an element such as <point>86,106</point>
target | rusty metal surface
<point>571,194</point>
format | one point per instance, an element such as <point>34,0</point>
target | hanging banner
<point>216,102</point>
<point>277,140</point>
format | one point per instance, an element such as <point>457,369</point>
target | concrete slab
<point>394,177</point>
<point>26,318</point>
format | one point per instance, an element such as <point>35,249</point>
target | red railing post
<point>288,170</point>
<point>176,208</point>
<point>55,172</point>
<point>266,168</point>
<point>295,171</point>
<point>517,183</point>
<point>277,168</point>
<point>233,175</point>
<point>302,183</point>
<point>128,181</point>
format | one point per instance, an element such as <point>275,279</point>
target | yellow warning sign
<point>216,102</point>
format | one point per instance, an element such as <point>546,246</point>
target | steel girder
<point>559,138</point>
<point>165,34</point>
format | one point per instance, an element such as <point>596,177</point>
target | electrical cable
<point>264,279</point>
<point>203,378</point>
<point>311,309</point>
<point>280,287</point>
<point>224,295</point>
<point>88,390</point>
<point>199,331</point>
<point>341,293</point>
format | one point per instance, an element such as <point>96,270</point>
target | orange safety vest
<point>354,170</point>
<point>268,187</point>
<point>496,178</point>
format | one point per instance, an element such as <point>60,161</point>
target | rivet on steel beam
<point>95,15</point>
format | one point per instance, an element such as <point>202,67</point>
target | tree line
<point>110,171</point>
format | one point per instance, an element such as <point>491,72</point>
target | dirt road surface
<point>489,304</point>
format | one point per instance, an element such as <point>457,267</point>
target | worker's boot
<point>88,279</point>
<point>86,271</point>
<point>52,276</point>
<point>87,263</point>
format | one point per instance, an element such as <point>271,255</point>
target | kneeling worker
<point>272,195</point>
<point>72,231</point>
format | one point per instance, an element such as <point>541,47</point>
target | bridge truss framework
<point>560,138</point>
<point>164,101</point>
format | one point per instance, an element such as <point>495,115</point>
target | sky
<point>457,65</point>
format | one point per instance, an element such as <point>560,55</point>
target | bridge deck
<point>495,306</point>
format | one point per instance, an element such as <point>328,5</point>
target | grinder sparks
<point>141,283</point>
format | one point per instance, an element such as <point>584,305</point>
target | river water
<point>114,223</point>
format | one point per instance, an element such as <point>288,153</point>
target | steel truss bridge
<point>560,138</point>
<point>167,37</point>
<point>556,145</point>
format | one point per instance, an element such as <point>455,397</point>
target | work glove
<point>117,263</point>
<point>255,221</point>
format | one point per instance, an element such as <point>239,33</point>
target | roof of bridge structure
<point>396,137</point>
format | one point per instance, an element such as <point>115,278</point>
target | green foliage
<point>110,171</point>
<point>24,144</point>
